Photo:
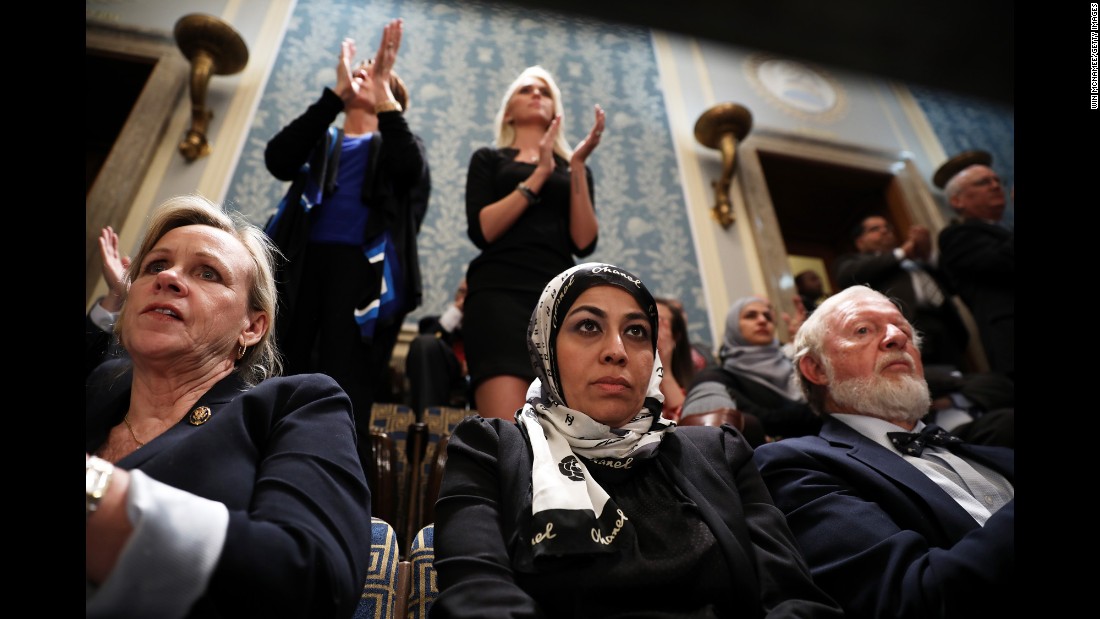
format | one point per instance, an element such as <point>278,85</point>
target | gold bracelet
<point>97,478</point>
<point>388,106</point>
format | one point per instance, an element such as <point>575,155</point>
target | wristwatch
<point>97,479</point>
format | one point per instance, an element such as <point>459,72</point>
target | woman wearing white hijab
<point>592,505</point>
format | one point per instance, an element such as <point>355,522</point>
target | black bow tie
<point>912,443</point>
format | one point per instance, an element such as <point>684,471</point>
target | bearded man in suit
<point>895,518</point>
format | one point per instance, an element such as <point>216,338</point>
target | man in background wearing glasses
<point>978,255</point>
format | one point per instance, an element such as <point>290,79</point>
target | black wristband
<point>532,197</point>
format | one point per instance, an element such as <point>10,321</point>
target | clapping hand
<point>592,140</point>
<point>546,144</point>
<point>922,242</point>
<point>371,79</point>
<point>346,86</point>
<point>114,270</point>
<point>795,323</point>
<point>379,70</point>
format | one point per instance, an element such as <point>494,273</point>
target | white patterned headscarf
<point>571,513</point>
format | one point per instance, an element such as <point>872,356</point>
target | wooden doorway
<point>155,75</point>
<point>803,196</point>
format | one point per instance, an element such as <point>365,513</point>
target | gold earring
<point>240,351</point>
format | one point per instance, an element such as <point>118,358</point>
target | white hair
<point>810,339</point>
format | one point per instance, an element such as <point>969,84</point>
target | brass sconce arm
<point>722,127</point>
<point>213,48</point>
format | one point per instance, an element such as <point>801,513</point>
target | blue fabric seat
<point>385,592</point>
<point>424,589</point>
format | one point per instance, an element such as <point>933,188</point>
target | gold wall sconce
<point>214,48</point>
<point>722,127</point>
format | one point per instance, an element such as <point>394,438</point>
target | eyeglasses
<point>878,228</point>
<point>986,181</point>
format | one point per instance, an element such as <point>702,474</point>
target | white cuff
<point>899,253</point>
<point>166,564</point>
<point>451,319</point>
<point>102,318</point>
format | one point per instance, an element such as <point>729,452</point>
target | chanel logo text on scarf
<point>596,537</point>
<point>637,282</point>
<point>609,441</point>
<point>614,464</point>
<point>557,301</point>
<point>541,535</point>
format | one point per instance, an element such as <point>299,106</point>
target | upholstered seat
<point>386,587</point>
<point>423,589</point>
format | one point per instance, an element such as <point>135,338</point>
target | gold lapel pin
<point>200,416</point>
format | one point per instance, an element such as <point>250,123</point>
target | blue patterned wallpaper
<point>457,58</point>
<point>962,123</point>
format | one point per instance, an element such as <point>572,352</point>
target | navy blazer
<point>881,537</point>
<point>484,508</point>
<point>97,343</point>
<point>281,456</point>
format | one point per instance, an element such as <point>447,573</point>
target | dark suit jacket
<point>484,508</point>
<point>882,538</point>
<point>281,456</point>
<point>97,342</point>
<point>945,333</point>
<point>433,367</point>
<point>980,261</point>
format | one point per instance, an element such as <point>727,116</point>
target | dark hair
<point>800,279</point>
<point>856,231</point>
<point>681,364</point>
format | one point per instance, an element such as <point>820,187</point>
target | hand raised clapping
<point>592,140</point>
<point>384,60</point>
<point>369,81</point>
<point>114,270</point>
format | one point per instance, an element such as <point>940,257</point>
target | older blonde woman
<point>215,487</point>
